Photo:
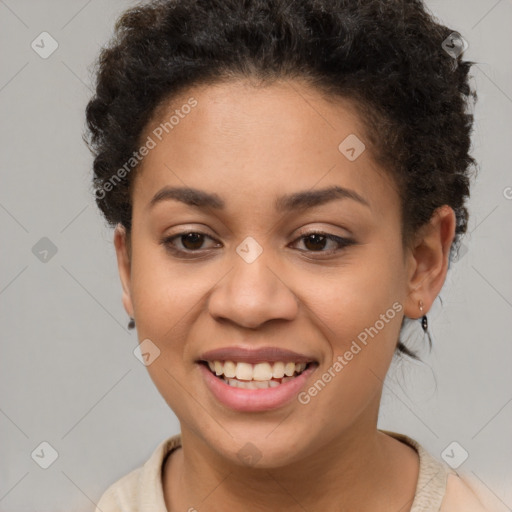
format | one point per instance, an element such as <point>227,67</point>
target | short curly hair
<point>390,57</point>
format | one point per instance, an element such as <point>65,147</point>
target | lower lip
<point>255,400</point>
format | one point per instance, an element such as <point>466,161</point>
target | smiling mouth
<point>256,376</point>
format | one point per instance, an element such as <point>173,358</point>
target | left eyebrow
<point>302,200</point>
<point>311,198</point>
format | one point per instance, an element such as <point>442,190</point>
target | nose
<point>252,294</point>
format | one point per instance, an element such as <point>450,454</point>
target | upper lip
<point>255,355</point>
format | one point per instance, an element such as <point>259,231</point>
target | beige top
<point>439,488</point>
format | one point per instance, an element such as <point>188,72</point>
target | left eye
<point>314,242</point>
<point>318,240</point>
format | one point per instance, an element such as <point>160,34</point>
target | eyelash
<point>343,242</point>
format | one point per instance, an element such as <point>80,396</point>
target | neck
<point>338,474</point>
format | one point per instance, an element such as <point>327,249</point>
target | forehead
<point>246,142</point>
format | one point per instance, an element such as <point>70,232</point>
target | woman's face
<point>253,279</point>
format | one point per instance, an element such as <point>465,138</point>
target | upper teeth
<point>260,371</point>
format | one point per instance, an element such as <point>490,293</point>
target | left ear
<point>428,261</point>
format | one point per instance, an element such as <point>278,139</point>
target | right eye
<point>191,242</point>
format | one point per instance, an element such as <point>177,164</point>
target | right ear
<point>124,267</point>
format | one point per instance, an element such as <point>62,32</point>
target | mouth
<point>262,375</point>
<point>253,379</point>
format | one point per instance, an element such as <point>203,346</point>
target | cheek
<point>352,298</point>
<point>166,297</point>
<point>363,310</point>
<point>360,313</point>
<point>163,291</point>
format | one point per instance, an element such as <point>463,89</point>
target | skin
<point>245,143</point>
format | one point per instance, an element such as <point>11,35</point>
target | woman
<point>287,182</point>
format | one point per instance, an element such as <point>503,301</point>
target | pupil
<point>316,237</point>
<point>193,238</point>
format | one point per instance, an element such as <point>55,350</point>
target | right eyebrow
<point>189,196</point>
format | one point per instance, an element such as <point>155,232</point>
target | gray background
<point>68,374</point>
